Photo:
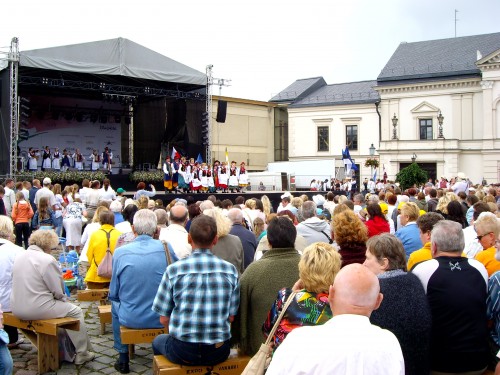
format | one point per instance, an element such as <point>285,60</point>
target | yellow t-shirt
<point>419,256</point>
<point>487,257</point>
<point>97,250</point>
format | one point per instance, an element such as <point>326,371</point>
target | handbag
<point>167,253</point>
<point>261,360</point>
<point>105,268</point>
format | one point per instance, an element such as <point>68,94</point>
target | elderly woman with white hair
<point>41,294</point>
<point>228,247</point>
<point>8,253</point>
<point>116,207</point>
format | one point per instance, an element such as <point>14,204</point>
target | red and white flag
<point>175,154</point>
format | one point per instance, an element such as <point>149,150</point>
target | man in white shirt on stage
<point>348,343</point>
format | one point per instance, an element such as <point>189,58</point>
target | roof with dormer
<point>442,58</point>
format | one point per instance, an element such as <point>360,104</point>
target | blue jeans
<point>191,354</point>
<point>6,364</point>
<point>58,221</point>
<point>119,347</point>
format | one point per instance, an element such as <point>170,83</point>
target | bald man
<point>348,343</point>
<point>175,234</point>
<point>246,237</point>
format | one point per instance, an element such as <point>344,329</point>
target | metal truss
<point>14,104</point>
<point>108,88</point>
<point>208,110</point>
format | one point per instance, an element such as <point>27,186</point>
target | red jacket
<point>377,225</point>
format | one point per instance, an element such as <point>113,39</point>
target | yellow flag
<point>227,156</point>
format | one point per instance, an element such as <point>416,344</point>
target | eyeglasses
<point>479,238</point>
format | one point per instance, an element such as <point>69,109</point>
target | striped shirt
<point>199,293</point>
<point>493,305</point>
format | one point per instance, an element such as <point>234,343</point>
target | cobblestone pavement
<point>25,356</point>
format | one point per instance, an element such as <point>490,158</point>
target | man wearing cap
<point>285,203</point>
<point>120,196</point>
<point>47,193</point>
<point>460,184</point>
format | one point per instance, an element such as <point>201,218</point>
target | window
<point>425,125</point>
<point>351,136</point>
<point>323,142</point>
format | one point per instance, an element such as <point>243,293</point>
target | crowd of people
<point>53,159</point>
<point>388,282</point>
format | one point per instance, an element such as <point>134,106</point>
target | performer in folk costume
<point>33,159</point>
<point>223,176</point>
<point>107,159</point>
<point>242,177</point>
<point>96,159</point>
<point>195,178</point>
<point>215,174</point>
<point>175,170</point>
<point>65,161</point>
<point>233,177</point>
<point>183,176</point>
<point>211,181</point>
<point>78,159</point>
<point>46,162</point>
<point>56,160</point>
<point>167,175</point>
<point>204,177</point>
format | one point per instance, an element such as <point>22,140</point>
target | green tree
<point>411,175</point>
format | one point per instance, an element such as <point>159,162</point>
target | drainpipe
<point>377,103</point>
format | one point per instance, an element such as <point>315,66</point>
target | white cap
<point>286,194</point>
<point>47,181</point>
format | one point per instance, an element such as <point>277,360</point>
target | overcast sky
<point>261,45</point>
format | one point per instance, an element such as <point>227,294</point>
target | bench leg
<point>131,351</point>
<point>48,353</point>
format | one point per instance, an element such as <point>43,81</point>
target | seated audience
<point>408,232</point>
<point>456,289</point>
<point>404,310</point>
<point>318,266</point>
<point>41,295</point>
<point>138,268</point>
<point>348,343</point>
<point>350,234</point>
<point>199,332</point>
<point>425,224</point>
<point>487,229</point>
<point>279,268</point>
<point>106,236</point>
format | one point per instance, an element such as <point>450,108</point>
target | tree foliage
<point>411,175</point>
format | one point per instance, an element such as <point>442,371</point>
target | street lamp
<point>394,124</point>
<point>413,158</point>
<point>372,150</point>
<point>440,119</point>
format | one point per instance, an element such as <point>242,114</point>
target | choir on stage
<point>188,176</point>
<point>52,159</point>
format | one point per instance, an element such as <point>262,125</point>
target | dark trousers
<point>22,234</point>
<point>13,334</point>
<point>191,354</point>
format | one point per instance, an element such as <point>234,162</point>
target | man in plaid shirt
<point>197,300</point>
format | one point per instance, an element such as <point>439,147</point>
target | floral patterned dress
<point>308,309</point>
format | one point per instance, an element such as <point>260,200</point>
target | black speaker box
<point>221,111</point>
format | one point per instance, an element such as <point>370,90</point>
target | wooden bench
<point>132,336</point>
<point>104,310</point>
<point>234,365</point>
<point>100,295</point>
<point>43,335</point>
<point>104,316</point>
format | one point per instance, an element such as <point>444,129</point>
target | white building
<point>458,78</point>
